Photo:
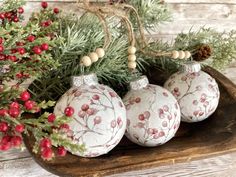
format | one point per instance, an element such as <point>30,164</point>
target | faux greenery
<point>25,54</point>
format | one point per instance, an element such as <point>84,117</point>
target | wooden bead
<point>93,56</point>
<point>132,65</point>
<point>181,54</point>
<point>100,52</point>
<point>131,50</point>
<point>86,61</point>
<point>175,54</point>
<point>132,57</point>
<point>187,54</point>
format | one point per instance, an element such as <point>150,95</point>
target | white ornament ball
<point>100,52</point>
<point>99,119</point>
<point>196,91</point>
<point>94,57</point>
<point>153,114</point>
<point>86,61</point>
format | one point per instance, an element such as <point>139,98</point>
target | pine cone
<point>204,51</point>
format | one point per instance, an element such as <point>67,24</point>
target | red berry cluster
<point>12,135</point>
<point>25,47</point>
<point>28,49</point>
<point>12,16</point>
<point>45,6</point>
<point>46,149</point>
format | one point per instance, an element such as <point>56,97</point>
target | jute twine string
<point>119,10</point>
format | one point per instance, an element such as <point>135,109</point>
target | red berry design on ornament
<point>138,100</point>
<point>69,111</point>
<point>146,114</point>
<point>44,4</point>
<point>61,151</point>
<point>141,117</point>
<point>81,114</point>
<point>51,118</point>
<point>96,97</point>
<point>3,126</point>
<point>113,123</point>
<point>29,105</point>
<point>112,94</point>
<point>97,120</point>
<point>24,96</point>
<point>85,107</point>
<point>20,128</point>
<point>119,122</point>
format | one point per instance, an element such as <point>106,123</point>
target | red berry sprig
<point>25,96</point>
<point>61,151</point>
<point>44,4</point>
<point>69,111</point>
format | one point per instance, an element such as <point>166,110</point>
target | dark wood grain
<point>214,136</point>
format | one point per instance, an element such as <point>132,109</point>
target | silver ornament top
<point>140,83</point>
<point>191,67</point>
<point>90,79</point>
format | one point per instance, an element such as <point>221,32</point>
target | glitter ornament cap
<point>140,83</point>
<point>191,67</point>
<point>90,79</point>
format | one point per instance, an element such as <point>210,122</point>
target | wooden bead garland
<point>131,50</point>
<point>100,52</point>
<point>180,54</point>
<point>92,57</point>
<point>132,57</point>
<point>187,54</point>
<point>132,65</point>
<point>86,61</point>
<point>175,54</point>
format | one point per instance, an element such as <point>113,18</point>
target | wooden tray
<point>214,136</point>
